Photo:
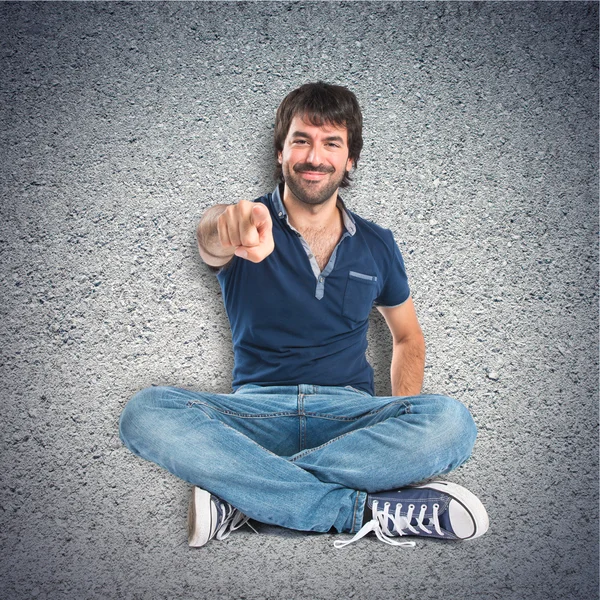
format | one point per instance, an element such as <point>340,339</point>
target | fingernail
<point>241,253</point>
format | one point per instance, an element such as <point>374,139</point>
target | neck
<point>304,216</point>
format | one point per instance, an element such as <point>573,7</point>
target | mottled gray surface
<point>121,123</point>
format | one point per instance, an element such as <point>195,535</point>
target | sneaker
<point>210,517</point>
<point>438,509</point>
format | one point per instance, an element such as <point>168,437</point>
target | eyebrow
<point>329,138</point>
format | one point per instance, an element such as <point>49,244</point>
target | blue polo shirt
<point>292,323</point>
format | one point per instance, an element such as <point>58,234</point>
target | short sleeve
<point>395,289</point>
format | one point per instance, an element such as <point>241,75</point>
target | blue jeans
<point>301,457</point>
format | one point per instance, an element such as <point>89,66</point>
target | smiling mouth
<point>312,174</point>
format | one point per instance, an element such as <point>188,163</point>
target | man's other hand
<point>247,227</point>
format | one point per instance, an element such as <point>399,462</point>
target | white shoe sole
<point>200,518</point>
<point>469,517</point>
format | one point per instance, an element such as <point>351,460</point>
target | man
<point>302,442</point>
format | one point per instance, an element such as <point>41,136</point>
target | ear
<point>279,157</point>
<point>349,165</point>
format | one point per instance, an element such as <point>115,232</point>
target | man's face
<point>314,160</point>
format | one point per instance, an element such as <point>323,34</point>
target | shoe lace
<point>401,525</point>
<point>232,519</point>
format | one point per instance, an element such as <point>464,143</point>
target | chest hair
<point>322,243</point>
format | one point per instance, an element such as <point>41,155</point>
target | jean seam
<point>301,422</point>
<point>372,412</point>
<point>241,415</point>
<point>361,392</point>
<point>355,511</point>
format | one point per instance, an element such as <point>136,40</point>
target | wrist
<point>217,256</point>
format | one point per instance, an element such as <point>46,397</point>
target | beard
<point>311,192</point>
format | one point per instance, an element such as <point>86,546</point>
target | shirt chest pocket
<point>361,290</point>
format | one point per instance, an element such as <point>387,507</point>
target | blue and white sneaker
<point>210,517</point>
<point>438,509</point>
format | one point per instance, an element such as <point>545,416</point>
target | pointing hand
<point>247,227</point>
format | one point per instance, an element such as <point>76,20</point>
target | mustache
<point>304,167</point>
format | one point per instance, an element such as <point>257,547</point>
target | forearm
<point>207,235</point>
<point>408,366</point>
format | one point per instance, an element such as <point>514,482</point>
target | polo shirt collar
<point>349,223</point>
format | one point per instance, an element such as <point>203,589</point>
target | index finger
<point>261,218</point>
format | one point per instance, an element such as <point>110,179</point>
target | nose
<point>314,156</point>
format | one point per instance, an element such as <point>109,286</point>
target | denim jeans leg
<point>236,446</point>
<point>383,443</point>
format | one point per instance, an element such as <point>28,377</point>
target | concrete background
<point>121,123</point>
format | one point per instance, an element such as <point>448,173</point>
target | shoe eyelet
<point>424,506</point>
<point>411,506</point>
<point>436,506</point>
<point>386,505</point>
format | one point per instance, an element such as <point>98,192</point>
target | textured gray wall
<point>121,123</point>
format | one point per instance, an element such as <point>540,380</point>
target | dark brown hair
<point>320,104</point>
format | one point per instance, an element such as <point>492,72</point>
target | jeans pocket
<point>359,296</point>
<point>247,387</point>
<point>362,392</point>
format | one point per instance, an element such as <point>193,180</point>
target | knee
<point>136,415</point>
<point>457,424</point>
